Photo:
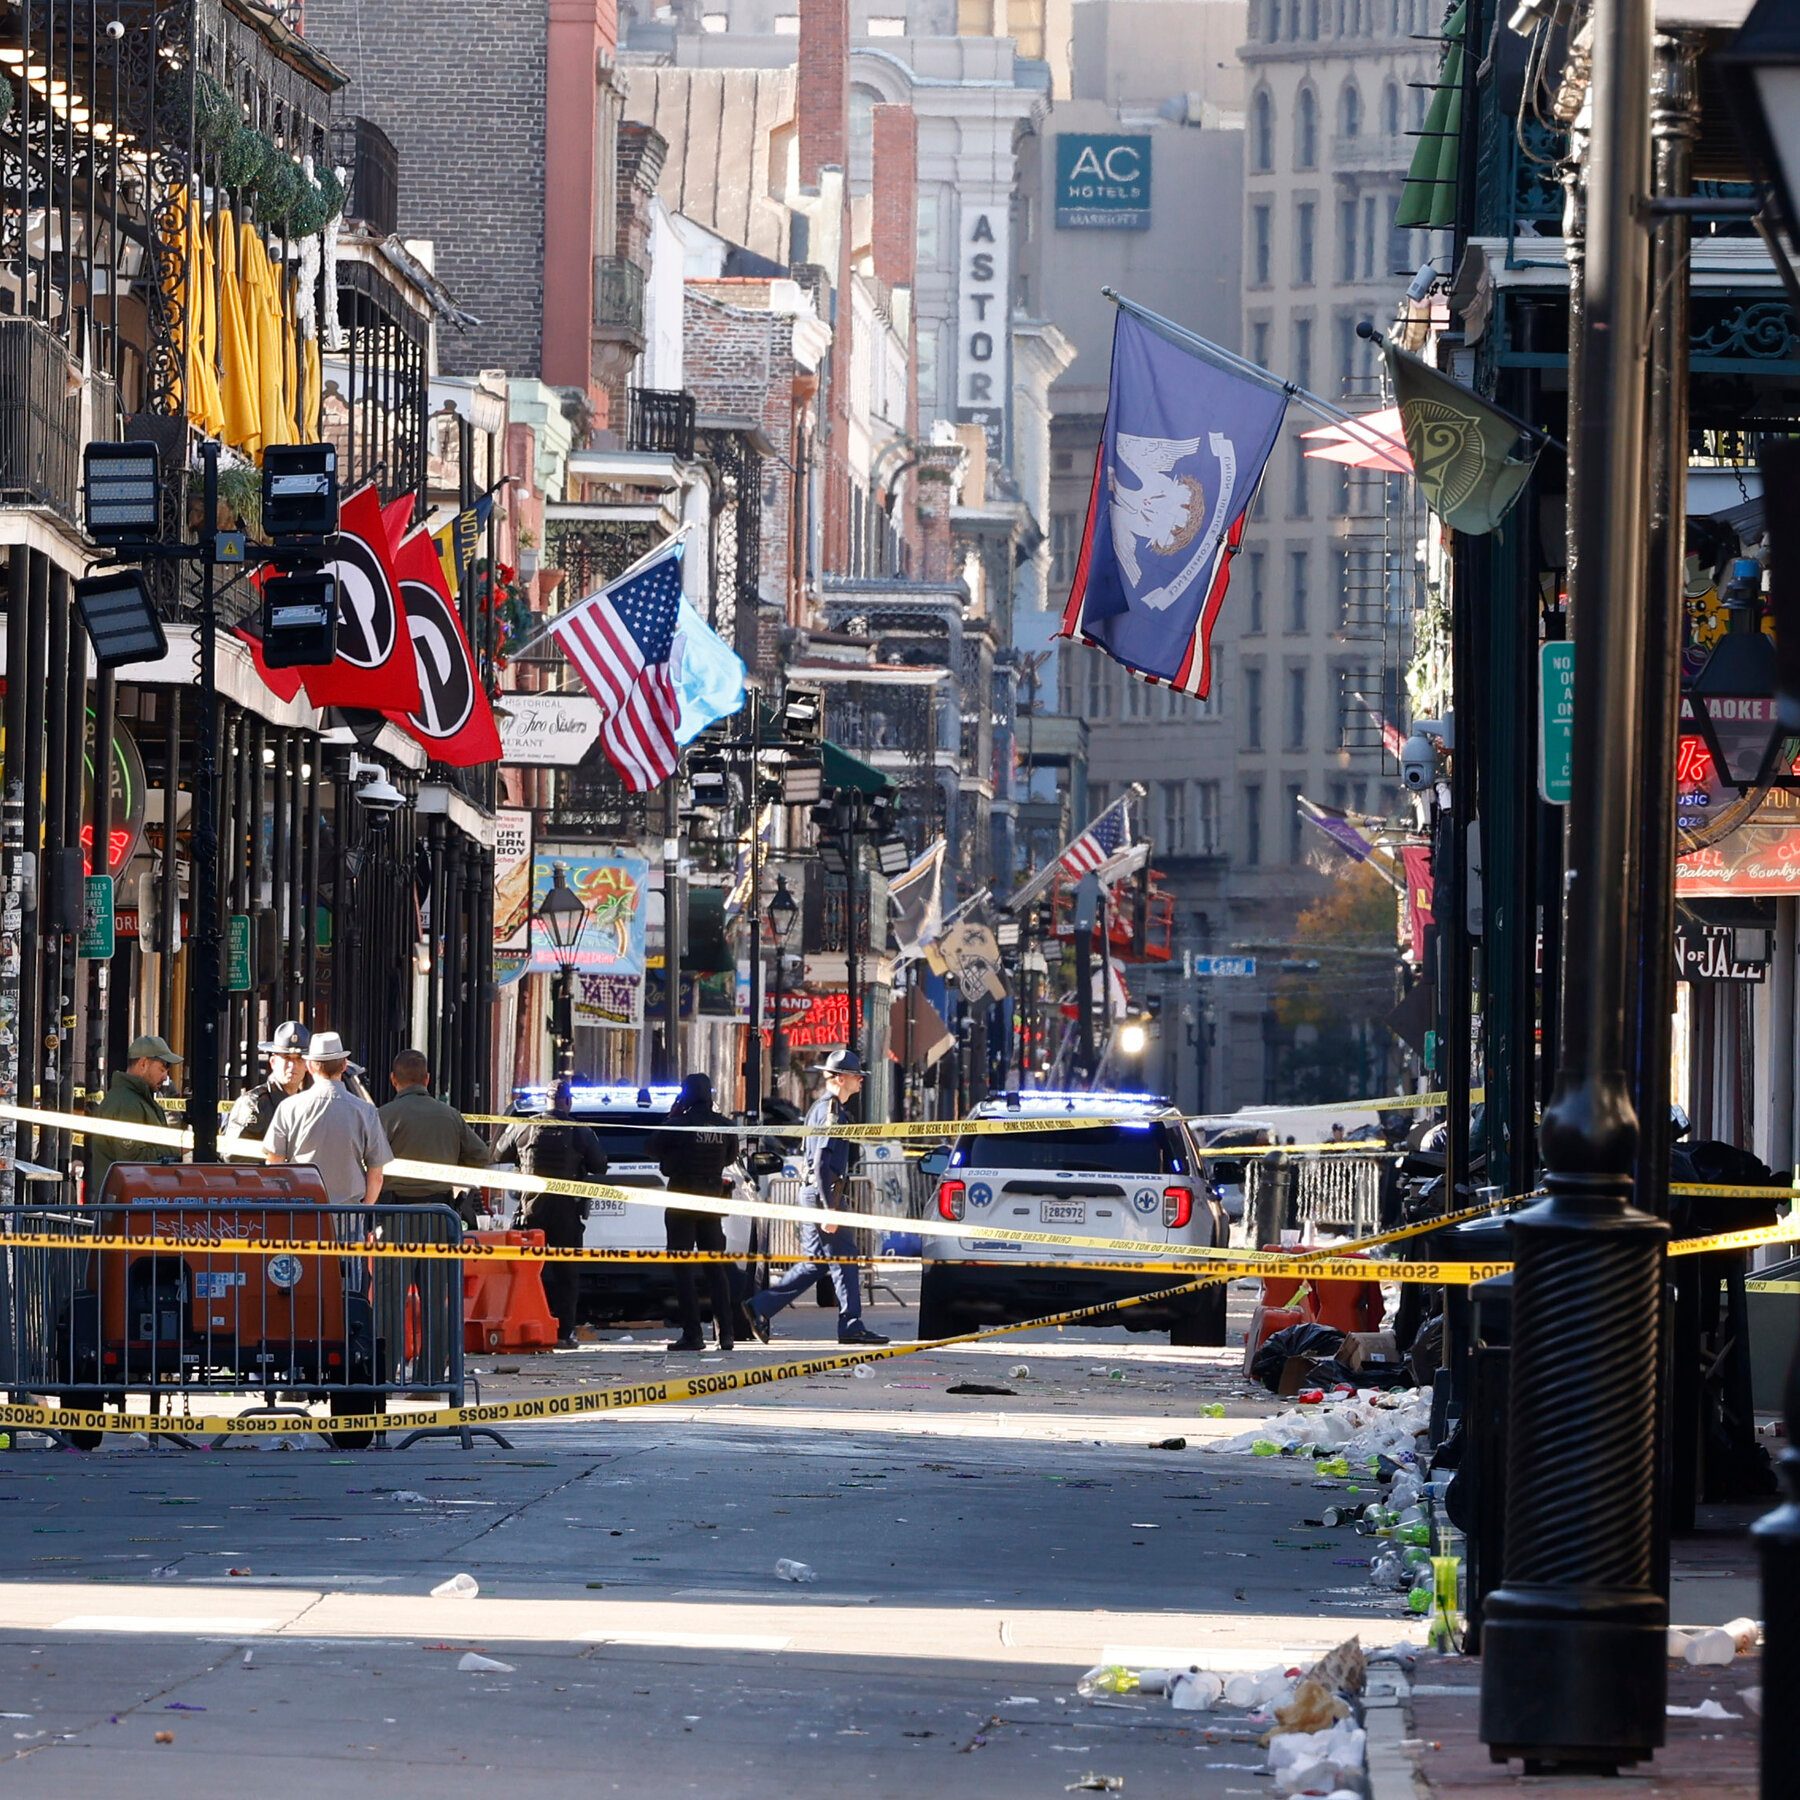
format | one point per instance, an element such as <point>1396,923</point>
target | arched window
<point>1262,132</point>
<point>1350,111</point>
<point>1418,108</point>
<point>1306,130</point>
<point>1390,109</point>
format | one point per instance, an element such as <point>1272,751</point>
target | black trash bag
<point>1427,1350</point>
<point>1328,1373</point>
<point>1292,1340</point>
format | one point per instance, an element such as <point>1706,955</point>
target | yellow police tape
<point>835,1218</point>
<point>1772,1287</point>
<point>547,1407</point>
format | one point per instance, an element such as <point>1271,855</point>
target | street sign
<point>1556,719</point>
<point>237,954</point>
<point>97,918</point>
<point>1225,965</point>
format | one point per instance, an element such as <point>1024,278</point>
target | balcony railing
<point>374,164</point>
<point>662,420</point>
<point>618,297</point>
<point>40,420</point>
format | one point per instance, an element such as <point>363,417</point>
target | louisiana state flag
<point>1188,432</point>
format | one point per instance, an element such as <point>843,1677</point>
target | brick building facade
<point>459,86</point>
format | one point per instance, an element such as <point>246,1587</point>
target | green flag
<point>1465,454</point>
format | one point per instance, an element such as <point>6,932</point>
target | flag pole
<point>642,562</point>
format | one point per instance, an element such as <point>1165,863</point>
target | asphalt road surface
<point>268,1607</point>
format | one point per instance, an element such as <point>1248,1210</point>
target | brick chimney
<point>824,88</point>
<point>896,195</point>
<point>938,482</point>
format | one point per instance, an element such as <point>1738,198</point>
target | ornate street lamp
<point>1761,72</point>
<point>562,916</point>
<point>783,911</point>
<point>1732,700</point>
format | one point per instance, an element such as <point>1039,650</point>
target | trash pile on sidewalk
<point>1376,1440</point>
<point>1308,1720</point>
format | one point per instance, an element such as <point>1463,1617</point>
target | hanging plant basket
<point>242,160</point>
<point>278,188</point>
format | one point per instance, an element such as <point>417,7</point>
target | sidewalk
<point>1714,1757</point>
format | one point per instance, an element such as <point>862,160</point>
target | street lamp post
<point>783,911</point>
<point>1574,1641</point>
<point>562,916</point>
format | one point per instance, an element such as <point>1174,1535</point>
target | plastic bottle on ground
<point>458,1587</point>
<point>786,1569</point>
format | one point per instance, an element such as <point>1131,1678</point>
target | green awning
<point>844,770</point>
<point>1428,198</point>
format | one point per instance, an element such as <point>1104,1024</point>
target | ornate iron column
<point>1574,1669</point>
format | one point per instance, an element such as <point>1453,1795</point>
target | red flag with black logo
<point>453,719</point>
<point>374,666</point>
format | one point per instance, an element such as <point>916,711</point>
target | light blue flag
<point>709,677</point>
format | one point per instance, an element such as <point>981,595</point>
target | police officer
<point>561,1150</point>
<point>255,1107</point>
<point>694,1161</point>
<point>827,1163</point>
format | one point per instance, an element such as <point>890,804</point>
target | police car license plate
<point>606,1209</point>
<point>1062,1212</point>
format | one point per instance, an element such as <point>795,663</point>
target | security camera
<point>115,29</point>
<point>1418,762</point>
<point>378,794</point>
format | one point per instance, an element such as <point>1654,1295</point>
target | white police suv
<point>1136,1176</point>
<point>625,1119</point>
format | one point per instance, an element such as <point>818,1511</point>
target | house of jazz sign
<point>547,730</point>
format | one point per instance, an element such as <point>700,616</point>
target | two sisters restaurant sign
<point>1757,859</point>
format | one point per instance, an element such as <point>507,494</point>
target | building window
<point>1297,594</point>
<point>1097,695</point>
<point>1306,130</point>
<point>715,21</point>
<point>1262,132</point>
<point>1350,110</point>
<point>1259,343</point>
<point>1303,352</point>
<point>1065,547</point>
<point>1296,825</point>
<point>1390,109</point>
<point>1346,240</point>
<point>787,24</point>
<point>1174,818</point>
<point>1253,827</point>
<point>1296,707</point>
<point>1257,561</point>
<point>1312,20</point>
<point>1139,697</point>
<point>1213,706</point>
<point>887,28</point>
<point>1371,229</point>
<point>1253,709</point>
<point>1355,725</point>
<point>1206,838</point>
<point>1346,353</point>
<point>1305,214</point>
<point>1097,798</point>
<point>1302,479</point>
<point>1259,246</point>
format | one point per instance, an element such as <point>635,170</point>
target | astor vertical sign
<point>1102,182</point>
<point>983,282</point>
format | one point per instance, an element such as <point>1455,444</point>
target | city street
<point>269,1607</point>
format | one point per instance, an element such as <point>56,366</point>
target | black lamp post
<point>783,911</point>
<point>562,916</point>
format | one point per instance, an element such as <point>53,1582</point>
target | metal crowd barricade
<point>182,1317</point>
<point>1341,1192</point>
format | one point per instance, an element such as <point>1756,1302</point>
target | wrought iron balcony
<point>362,147</point>
<point>40,419</point>
<point>662,419</point>
<point>618,298</point>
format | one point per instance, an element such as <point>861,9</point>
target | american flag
<point>620,641</point>
<point>1104,838</point>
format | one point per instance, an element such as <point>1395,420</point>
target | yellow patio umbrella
<point>311,391</point>
<point>264,319</point>
<point>290,362</point>
<point>205,408</point>
<point>239,387</point>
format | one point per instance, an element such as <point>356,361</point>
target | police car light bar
<point>610,1099</point>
